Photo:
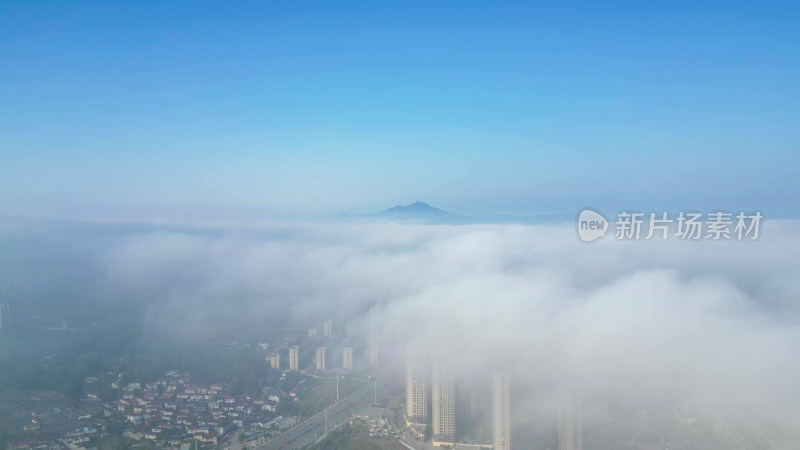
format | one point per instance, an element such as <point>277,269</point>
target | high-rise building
<point>312,332</point>
<point>373,337</point>
<point>320,359</point>
<point>274,361</point>
<point>501,413</point>
<point>444,407</point>
<point>570,422</point>
<point>347,358</point>
<point>8,315</point>
<point>327,328</point>
<point>416,391</point>
<point>294,358</point>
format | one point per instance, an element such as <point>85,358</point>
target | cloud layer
<point>707,328</point>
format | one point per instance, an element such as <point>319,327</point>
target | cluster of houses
<point>169,412</point>
<point>173,411</point>
<point>73,440</point>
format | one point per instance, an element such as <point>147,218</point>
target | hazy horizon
<point>193,109</point>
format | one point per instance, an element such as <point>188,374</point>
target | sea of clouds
<point>707,328</point>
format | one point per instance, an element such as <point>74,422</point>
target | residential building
<point>320,359</point>
<point>347,358</point>
<point>570,422</point>
<point>501,413</point>
<point>373,337</point>
<point>417,402</point>
<point>444,407</point>
<point>294,356</point>
<point>327,328</point>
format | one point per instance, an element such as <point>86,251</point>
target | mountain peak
<point>418,205</point>
<point>418,211</point>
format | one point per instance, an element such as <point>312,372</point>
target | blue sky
<point>262,109</point>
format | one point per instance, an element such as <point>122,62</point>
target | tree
<point>114,428</point>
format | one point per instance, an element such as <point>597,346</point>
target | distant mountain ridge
<point>416,210</point>
<point>421,212</point>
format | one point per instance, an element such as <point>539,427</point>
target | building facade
<point>570,423</point>
<point>417,403</point>
<point>320,359</point>
<point>327,328</point>
<point>501,413</point>
<point>373,337</point>
<point>347,358</point>
<point>444,407</point>
<point>294,357</point>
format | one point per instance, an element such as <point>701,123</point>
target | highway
<point>314,428</point>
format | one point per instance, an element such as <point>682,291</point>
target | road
<point>314,428</point>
